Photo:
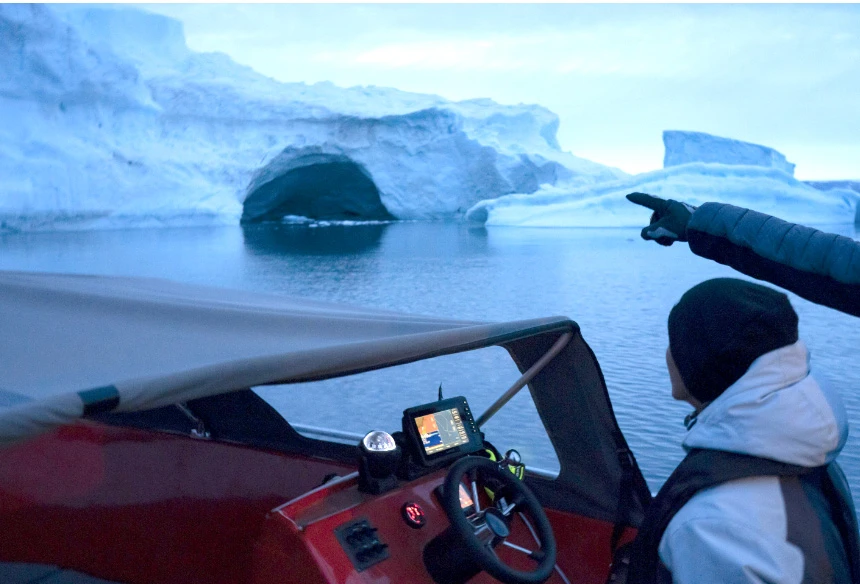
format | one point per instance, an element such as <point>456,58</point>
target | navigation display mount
<point>441,431</point>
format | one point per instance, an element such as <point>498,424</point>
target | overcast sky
<point>786,76</point>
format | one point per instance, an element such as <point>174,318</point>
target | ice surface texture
<point>107,119</point>
<point>686,147</point>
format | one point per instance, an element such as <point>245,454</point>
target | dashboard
<point>320,518</point>
<point>378,524</point>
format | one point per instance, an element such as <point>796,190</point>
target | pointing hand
<point>668,221</point>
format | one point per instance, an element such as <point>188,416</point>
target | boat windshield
<point>346,408</point>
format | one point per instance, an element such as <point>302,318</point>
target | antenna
<point>440,392</point>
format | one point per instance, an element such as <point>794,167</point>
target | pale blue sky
<point>782,75</point>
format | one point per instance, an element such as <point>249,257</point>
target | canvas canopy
<point>73,345</point>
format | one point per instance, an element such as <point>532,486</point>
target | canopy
<point>73,345</point>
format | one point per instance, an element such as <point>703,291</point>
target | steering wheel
<point>489,527</point>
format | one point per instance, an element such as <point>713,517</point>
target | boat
<point>133,449</point>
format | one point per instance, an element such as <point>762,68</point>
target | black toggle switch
<point>361,543</point>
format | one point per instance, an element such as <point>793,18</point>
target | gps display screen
<point>441,431</point>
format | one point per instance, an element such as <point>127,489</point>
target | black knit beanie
<point>719,327</point>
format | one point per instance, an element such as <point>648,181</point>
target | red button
<point>413,514</point>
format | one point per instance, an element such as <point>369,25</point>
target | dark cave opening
<point>331,190</point>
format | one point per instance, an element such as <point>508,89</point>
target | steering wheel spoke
<point>506,508</point>
<point>475,499</point>
<point>519,548</point>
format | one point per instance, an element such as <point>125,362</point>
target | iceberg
<point>767,190</point>
<point>849,190</point>
<point>687,147</point>
<point>846,187</point>
<point>107,119</point>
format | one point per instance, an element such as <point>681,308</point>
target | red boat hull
<point>141,507</point>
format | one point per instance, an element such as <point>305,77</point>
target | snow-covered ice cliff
<point>686,147</point>
<point>108,119</point>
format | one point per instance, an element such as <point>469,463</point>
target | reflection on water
<point>279,239</point>
<point>618,288</point>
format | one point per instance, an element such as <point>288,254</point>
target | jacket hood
<point>776,410</point>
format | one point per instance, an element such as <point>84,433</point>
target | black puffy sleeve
<point>821,267</point>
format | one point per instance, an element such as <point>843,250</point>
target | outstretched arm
<point>821,267</point>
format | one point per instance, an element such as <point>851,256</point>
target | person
<point>821,267</point>
<point>758,497</point>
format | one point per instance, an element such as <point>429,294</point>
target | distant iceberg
<point>766,190</point>
<point>686,147</point>
<point>107,119</point>
<point>836,185</point>
<point>698,168</point>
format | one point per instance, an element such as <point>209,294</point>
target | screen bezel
<point>473,444</point>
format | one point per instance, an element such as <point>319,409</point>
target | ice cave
<point>326,188</point>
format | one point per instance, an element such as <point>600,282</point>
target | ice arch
<point>319,186</point>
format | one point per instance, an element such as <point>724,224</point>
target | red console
<point>300,539</point>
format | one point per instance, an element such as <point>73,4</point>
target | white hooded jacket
<point>744,531</point>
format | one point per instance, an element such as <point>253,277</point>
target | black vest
<point>707,468</point>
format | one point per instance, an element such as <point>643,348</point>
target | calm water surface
<point>616,286</point>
